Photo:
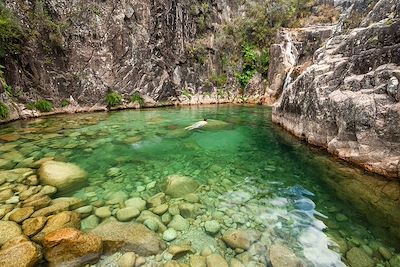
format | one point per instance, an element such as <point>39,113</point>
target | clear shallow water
<point>254,175</point>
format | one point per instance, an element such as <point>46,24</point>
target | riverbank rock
<point>71,247</point>
<point>8,230</point>
<point>128,237</point>
<point>179,185</point>
<point>20,252</point>
<point>64,176</point>
<point>282,256</point>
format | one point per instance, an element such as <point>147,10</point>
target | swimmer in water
<point>197,125</point>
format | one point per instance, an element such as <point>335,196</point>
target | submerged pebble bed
<point>251,180</point>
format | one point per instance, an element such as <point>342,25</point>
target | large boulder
<point>64,176</point>
<point>71,247</point>
<point>20,252</point>
<point>179,185</point>
<point>125,237</point>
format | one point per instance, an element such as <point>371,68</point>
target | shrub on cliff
<point>3,111</point>
<point>41,105</point>
<point>10,32</point>
<point>137,98</point>
<point>113,99</point>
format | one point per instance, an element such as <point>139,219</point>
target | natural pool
<point>252,175</point>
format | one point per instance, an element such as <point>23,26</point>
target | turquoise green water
<point>255,175</point>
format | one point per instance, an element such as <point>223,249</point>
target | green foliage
<point>198,52</point>
<point>219,80</point>
<point>11,34</point>
<point>65,103</point>
<point>263,63</point>
<point>3,111</point>
<point>47,30</point>
<point>43,105</point>
<point>137,98</point>
<point>187,93</point>
<point>113,99</point>
<point>248,65</point>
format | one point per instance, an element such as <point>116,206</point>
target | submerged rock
<point>21,214</point>
<point>356,257</point>
<point>126,237</point>
<point>127,214</point>
<point>238,239</point>
<point>170,234</point>
<point>212,227</point>
<point>282,256</point>
<point>65,219</point>
<point>64,176</point>
<point>136,202</point>
<point>179,185</point>
<point>8,230</point>
<point>215,260</point>
<point>70,247</point>
<point>179,223</point>
<point>33,225</point>
<point>20,253</point>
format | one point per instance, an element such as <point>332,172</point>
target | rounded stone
<point>103,212</point>
<point>127,214</point>
<point>179,223</point>
<point>151,224</point>
<point>212,227</point>
<point>127,260</point>
<point>136,202</point>
<point>170,234</point>
<point>179,186</point>
<point>8,230</point>
<point>63,176</point>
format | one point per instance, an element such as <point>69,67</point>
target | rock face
<point>64,176</point>
<point>145,40</point>
<point>128,237</point>
<point>348,99</point>
<point>70,247</point>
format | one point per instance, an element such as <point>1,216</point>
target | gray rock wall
<point>124,45</point>
<point>348,99</point>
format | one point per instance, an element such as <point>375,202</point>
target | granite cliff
<point>346,97</point>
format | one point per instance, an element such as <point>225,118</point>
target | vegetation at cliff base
<point>65,103</point>
<point>41,105</point>
<point>113,99</point>
<point>3,111</point>
<point>137,98</point>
